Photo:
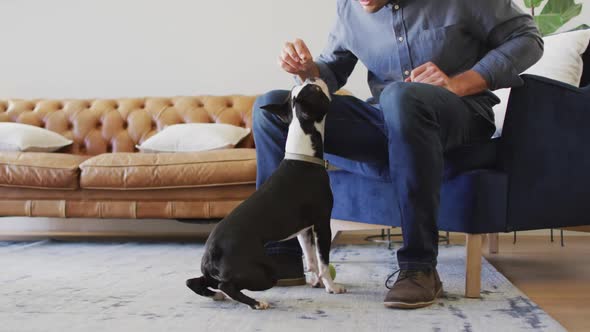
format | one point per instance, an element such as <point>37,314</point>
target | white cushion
<point>27,138</point>
<point>500,110</point>
<point>561,61</point>
<point>193,137</point>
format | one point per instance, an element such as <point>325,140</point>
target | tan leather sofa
<point>102,175</point>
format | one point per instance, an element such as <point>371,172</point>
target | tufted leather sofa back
<point>117,125</point>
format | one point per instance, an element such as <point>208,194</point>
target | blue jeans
<point>411,128</point>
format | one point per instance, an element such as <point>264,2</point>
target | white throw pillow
<point>193,137</point>
<point>561,61</point>
<point>27,138</point>
<point>500,110</point>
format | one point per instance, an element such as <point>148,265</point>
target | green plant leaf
<point>572,12</point>
<point>548,23</point>
<point>581,27</point>
<point>532,3</point>
<point>560,6</point>
<point>555,14</point>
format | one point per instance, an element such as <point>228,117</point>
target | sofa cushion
<point>40,170</point>
<point>138,171</point>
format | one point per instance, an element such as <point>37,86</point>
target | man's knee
<point>260,117</point>
<point>406,105</point>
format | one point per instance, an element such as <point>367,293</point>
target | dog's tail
<point>201,286</point>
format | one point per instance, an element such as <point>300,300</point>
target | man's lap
<point>356,131</point>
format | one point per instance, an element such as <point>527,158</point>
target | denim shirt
<point>492,37</point>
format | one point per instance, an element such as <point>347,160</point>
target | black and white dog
<point>296,200</point>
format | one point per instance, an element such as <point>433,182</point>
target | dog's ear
<point>282,110</point>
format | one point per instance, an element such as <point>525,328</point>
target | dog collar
<point>309,159</point>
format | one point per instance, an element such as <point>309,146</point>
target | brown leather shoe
<point>414,289</point>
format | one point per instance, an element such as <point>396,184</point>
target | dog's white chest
<point>298,141</point>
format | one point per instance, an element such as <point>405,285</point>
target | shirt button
<point>407,73</point>
<point>396,7</point>
<point>401,39</point>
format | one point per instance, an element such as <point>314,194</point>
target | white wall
<point>110,48</point>
<point>115,48</point>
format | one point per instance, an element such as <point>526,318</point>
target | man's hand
<point>429,73</point>
<point>467,83</point>
<point>296,59</point>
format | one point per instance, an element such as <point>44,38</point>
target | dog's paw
<point>315,281</point>
<point>219,296</point>
<point>261,306</point>
<point>336,289</point>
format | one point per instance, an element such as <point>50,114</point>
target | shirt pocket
<point>441,33</point>
<point>449,47</point>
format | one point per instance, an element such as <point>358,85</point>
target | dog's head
<point>309,102</point>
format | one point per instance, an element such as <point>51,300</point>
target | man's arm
<point>334,65</point>
<point>464,84</point>
<point>336,62</point>
<point>468,83</point>
<point>513,39</point>
<point>512,36</point>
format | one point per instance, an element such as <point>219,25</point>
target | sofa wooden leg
<point>473,266</point>
<point>493,243</point>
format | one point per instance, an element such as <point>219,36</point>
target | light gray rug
<point>48,286</point>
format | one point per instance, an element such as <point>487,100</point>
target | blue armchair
<point>533,177</point>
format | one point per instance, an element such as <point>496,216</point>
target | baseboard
<point>24,228</point>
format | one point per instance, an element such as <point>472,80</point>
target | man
<point>432,64</point>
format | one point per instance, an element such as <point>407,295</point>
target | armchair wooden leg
<point>343,225</point>
<point>493,243</point>
<point>473,266</point>
<point>336,227</point>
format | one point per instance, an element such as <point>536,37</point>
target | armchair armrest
<point>545,151</point>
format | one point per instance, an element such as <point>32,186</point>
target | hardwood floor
<point>556,278</point>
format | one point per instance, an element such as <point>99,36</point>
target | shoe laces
<point>404,274</point>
